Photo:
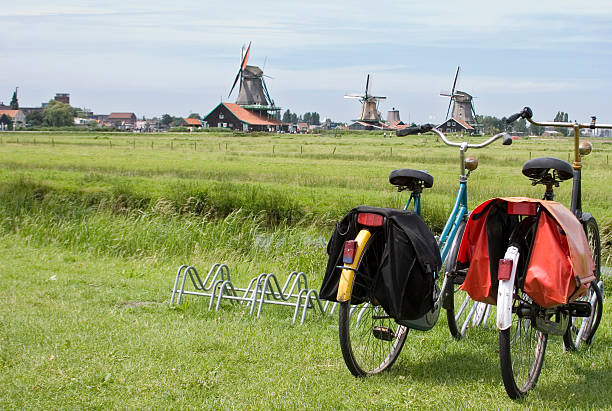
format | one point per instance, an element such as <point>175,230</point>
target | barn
<point>233,116</point>
<point>455,125</point>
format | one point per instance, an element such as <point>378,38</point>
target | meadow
<point>94,227</point>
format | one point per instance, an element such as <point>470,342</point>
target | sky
<point>154,57</point>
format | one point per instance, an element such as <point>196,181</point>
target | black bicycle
<point>523,324</point>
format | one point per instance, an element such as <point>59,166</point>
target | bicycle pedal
<point>383,333</point>
<point>580,309</point>
<point>459,276</point>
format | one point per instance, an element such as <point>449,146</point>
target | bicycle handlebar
<point>507,140</point>
<point>527,114</point>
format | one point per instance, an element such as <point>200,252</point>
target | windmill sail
<point>253,90</point>
<point>461,102</point>
<point>369,104</point>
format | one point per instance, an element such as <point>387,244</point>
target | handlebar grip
<point>513,118</point>
<point>525,113</point>
<point>414,130</point>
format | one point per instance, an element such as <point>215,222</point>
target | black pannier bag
<point>401,277</point>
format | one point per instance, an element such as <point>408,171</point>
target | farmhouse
<point>122,120</point>
<point>230,115</point>
<point>456,125</point>
<point>192,122</point>
<point>17,117</point>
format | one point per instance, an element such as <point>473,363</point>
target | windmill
<point>369,104</point>
<point>463,108</point>
<point>253,93</point>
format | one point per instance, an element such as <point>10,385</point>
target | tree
<point>287,117</point>
<point>195,115</point>
<point>307,118</point>
<point>14,101</point>
<point>6,122</point>
<point>562,117</point>
<point>166,119</point>
<point>315,119</point>
<point>536,130</point>
<point>294,118</point>
<point>35,118</point>
<point>520,125</point>
<point>58,114</point>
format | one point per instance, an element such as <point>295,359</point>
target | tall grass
<point>118,225</point>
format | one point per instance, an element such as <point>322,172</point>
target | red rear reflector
<point>370,219</point>
<point>349,251</point>
<point>522,208</point>
<point>505,269</point>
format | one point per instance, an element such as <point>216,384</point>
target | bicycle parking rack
<point>263,289</point>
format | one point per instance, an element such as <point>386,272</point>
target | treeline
<point>494,125</point>
<point>55,114</point>
<point>308,118</point>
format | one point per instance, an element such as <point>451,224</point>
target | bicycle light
<point>522,208</point>
<point>370,219</point>
<point>349,251</point>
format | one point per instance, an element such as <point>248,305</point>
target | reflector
<point>370,219</point>
<point>522,208</point>
<point>350,247</point>
<point>505,269</point>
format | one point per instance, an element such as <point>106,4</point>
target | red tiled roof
<point>375,125</point>
<point>121,115</point>
<point>395,125</point>
<point>10,113</point>
<point>193,121</point>
<point>249,117</point>
<point>463,123</point>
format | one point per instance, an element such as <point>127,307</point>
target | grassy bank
<point>82,330</point>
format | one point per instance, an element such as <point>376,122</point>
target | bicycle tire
<point>370,340</point>
<point>582,330</point>
<point>469,312</point>
<point>521,359</point>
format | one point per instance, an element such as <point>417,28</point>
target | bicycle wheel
<point>582,329</point>
<point>521,351</point>
<point>461,311</point>
<point>370,340</point>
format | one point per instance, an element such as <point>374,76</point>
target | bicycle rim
<point>369,339</point>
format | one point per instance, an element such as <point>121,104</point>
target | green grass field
<point>94,227</point>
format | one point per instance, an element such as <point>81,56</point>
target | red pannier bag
<point>560,267</point>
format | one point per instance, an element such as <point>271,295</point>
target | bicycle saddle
<point>539,167</point>
<point>409,178</point>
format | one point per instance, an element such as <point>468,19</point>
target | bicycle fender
<point>345,285</point>
<point>505,292</point>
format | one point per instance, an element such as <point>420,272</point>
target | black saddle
<point>537,168</point>
<point>410,179</point>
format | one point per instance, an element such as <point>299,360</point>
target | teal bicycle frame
<point>458,213</point>
<point>460,208</point>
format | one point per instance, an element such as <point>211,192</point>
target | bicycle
<point>370,339</point>
<point>523,324</point>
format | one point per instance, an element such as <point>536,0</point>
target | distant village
<point>255,111</point>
